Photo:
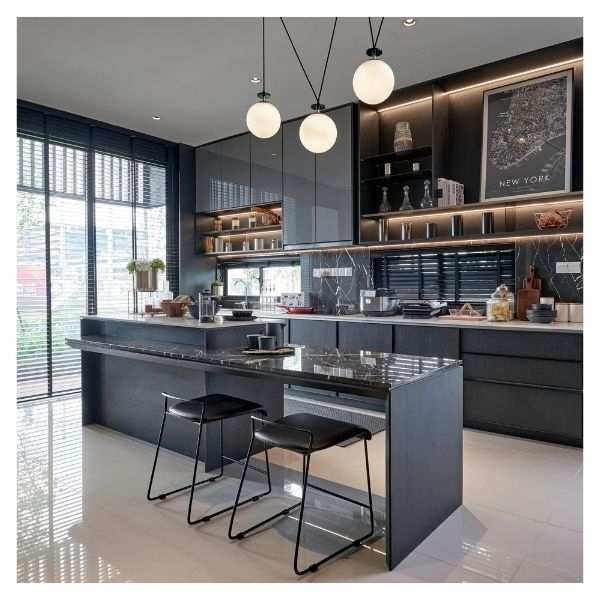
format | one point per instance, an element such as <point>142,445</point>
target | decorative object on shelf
<point>402,137</point>
<point>218,245</point>
<point>382,229</point>
<point>146,273</point>
<point>405,231</point>
<point>387,169</point>
<point>501,306</point>
<point>258,244</point>
<point>527,138</point>
<point>216,288</point>
<point>384,207</point>
<point>209,244</point>
<point>228,246</point>
<point>427,201</point>
<point>465,313</point>
<point>430,230</point>
<point>251,221</point>
<point>416,167</point>
<point>562,312</point>
<point>317,131</point>
<point>218,226</point>
<point>457,225</point>
<point>245,245</point>
<point>576,312</point>
<point>452,193</point>
<point>406,205</point>
<point>263,119</point>
<point>273,244</point>
<point>487,222</point>
<point>373,80</point>
<point>528,295</point>
<point>552,219</point>
<point>235,223</point>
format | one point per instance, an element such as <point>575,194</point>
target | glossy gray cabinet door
<point>372,337</point>
<point>334,199</point>
<point>208,177</point>
<point>236,171</point>
<point>266,173</point>
<point>313,333</point>
<point>298,188</point>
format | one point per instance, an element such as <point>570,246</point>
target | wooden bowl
<point>174,309</point>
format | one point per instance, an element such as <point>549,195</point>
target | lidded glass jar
<point>501,306</point>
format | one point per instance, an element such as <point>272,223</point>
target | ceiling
<point>195,72</point>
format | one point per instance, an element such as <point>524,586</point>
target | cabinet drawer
<point>365,336</point>
<point>427,341</point>
<point>534,344</point>
<point>313,333</point>
<point>550,411</point>
<point>533,371</point>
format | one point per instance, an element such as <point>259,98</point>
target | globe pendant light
<point>373,80</point>
<point>263,119</point>
<point>318,131</point>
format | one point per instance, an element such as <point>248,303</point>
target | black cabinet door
<point>266,169</point>
<point>235,171</point>
<point>334,189</point>
<point>312,333</point>
<point>208,177</point>
<point>425,340</point>
<point>298,188</point>
<point>365,336</point>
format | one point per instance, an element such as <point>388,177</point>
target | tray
<point>283,351</point>
<point>232,318</point>
<point>466,313</point>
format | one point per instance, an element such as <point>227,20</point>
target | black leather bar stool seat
<point>214,407</point>
<point>325,433</point>
<point>305,434</point>
<point>207,409</point>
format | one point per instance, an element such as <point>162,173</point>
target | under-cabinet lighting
<point>241,214</point>
<point>225,234</point>
<point>404,104</point>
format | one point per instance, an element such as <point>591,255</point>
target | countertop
<point>185,321</point>
<point>377,370</point>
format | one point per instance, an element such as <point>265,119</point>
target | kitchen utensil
<point>545,316</point>
<point>208,307</point>
<point>575,312</point>
<point>286,350</point>
<point>562,312</point>
<point>552,219</point>
<point>275,329</point>
<point>380,302</point>
<point>527,296</point>
<point>298,310</point>
<point>174,309</point>
<point>267,342</point>
<point>253,340</point>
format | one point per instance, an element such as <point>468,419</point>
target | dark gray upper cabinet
<point>266,169</point>
<point>298,188</point>
<point>334,189</point>
<point>208,177</point>
<point>235,171</point>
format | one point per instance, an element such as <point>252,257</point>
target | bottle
<point>406,205</point>
<point>427,201</point>
<point>384,207</point>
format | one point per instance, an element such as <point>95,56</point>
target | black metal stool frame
<point>305,469</point>
<point>211,479</point>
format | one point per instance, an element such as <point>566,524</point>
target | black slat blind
<point>455,275</point>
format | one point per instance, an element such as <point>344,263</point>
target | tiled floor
<point>83,516</point>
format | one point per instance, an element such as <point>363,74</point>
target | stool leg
<point>305,468</point>
<point>369,490</point>
<point>162,427</point>
<point>194,476</point>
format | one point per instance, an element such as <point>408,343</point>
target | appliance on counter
<point>207,307</point>
<point>422,309</point>
<point>381,302</point>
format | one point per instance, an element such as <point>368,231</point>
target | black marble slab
<point>363,369</point>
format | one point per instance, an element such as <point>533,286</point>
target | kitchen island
<point>126,363</point>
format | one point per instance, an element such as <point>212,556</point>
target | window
<point>277,277</point>
<point>456,275</point>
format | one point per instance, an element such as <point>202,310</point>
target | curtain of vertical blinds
<point>88,199</point>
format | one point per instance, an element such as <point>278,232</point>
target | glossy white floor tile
<point>83,514</point>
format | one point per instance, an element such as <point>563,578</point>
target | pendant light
<point>373,81</point>
<point>317,131</point>
<point>262,118</point>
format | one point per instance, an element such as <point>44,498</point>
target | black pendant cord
<point>376,39</point>
<point>263,56</point>
<point>317,96</point>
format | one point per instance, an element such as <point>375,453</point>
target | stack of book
<point>453,193</point>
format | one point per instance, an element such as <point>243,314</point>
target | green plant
<point>143,265</point>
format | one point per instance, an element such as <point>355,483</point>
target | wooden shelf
<point>398,178</point>
<point>237,252</point>
<point>242,210</point>
<point>420,152</point>
<point>240,231</point>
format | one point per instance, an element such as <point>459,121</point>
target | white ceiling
<point>195,72</point>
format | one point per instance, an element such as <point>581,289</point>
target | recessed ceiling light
<point>254,79</point>
<point>156,117</point>
<point>409,22</point>
<point>273,153</point>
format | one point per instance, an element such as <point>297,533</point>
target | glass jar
<point>235,223</point>
<point>501,306</point>
<point>251,221</point>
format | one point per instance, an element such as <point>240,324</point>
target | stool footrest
<point>281,513</point>
<point>224,510</point>
<point>316,487</point>
<point>185,487</point>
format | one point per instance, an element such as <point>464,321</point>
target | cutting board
<point>528,295</point>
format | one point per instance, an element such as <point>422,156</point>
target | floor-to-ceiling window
<point>82,213</point>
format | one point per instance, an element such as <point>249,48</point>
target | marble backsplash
<point>338,295</point>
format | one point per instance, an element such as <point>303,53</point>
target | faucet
<point>245,284</point>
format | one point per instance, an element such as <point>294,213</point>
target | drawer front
<point>544,410</point>
<point>313,333</point>
<point>365,336</point>
<point>427,341</point>
<point>533,371</point>
<point>533,344</point>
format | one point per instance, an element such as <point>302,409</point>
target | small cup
<point>253,340</point>
<point>430,230</point>
<point>576,312</point>
<point>266,342</point>
<point>547,300</point>
<point>562,312</point>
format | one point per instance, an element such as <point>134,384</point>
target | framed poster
<point>526,148</point>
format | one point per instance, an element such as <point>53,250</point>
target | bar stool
<point>207,409</point>
<point>305,434</point>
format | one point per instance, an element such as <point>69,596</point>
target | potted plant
<point>145,273</point>
<point>216,289</point>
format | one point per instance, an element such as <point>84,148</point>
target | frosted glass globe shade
<point>263,119</point>
<point>318,133</point>
<point>373,81</point>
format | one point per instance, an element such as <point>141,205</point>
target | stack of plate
<point>541,313</point>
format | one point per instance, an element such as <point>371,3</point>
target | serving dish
<point>298,310</point>
<point>174,309</point>
<point>552,219</point>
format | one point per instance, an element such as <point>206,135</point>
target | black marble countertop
<point>363,369</point>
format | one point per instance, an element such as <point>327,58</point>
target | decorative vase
<point>406,205</point>
<point>146,280</point>
<point>384,207</point>
<point>402,137</point>
<point>427,201</point>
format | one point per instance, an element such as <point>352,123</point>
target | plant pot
<point>147,280</point>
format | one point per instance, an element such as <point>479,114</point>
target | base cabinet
<point>427,341</point>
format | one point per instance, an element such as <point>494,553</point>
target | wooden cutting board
<point>528,295</point>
